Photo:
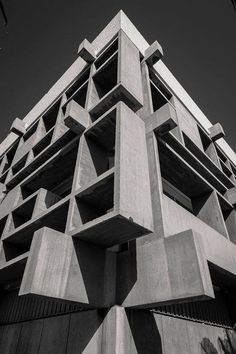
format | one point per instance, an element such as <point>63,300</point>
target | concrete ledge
<point>216,132</point>
<point>76,117</point>
<point>163,120</point>
<point>18,127</point>
<point>87,51</point>
<point>153,53</point>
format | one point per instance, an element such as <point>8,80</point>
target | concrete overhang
<point>120,21</point>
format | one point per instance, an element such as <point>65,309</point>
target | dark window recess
<point>53,177</point>
<point>106,54</point>
<point>220,154</point>
<point>205,138</point>
<point>2,225</point>
<point>96,201</point>
<point>78,83</point>
<point>100,141</point>
<point>176,195</point>
<point>23,214</point>
<point>30,132</point>
<point>16,168</point>
<point>12,251</point>
<point>106,78</point>
<point>42,144</point>
<point>11,153</point>
<point>80,95</point>
<point>50,117</point>
<point>160,95</point>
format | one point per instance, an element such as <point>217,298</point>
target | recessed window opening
<point>220,154</point>
<point>78,83</point>
<point>42,144</point>
<point>24,213</point>
<point>50,117</point>
<point>97,201</point>
<point>11,153</point>
<point>2,225</point>
<point>106,78</point>
<point>206,140</point>
<point>56,173</point>
<point>160,95</point>
<point>104,56</point>
<point>20,164</point>
<point>176,195</point>
<point>12,251</point>
<point>30,132</point>
<point>80,95</point>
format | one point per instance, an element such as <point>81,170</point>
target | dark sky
<point>41,39</point>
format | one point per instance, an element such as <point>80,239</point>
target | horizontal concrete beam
<point>18,127</point>
<point>216,131</point>
<point>163,120</point>
<point>76,117</point>
<point>87,51</point>
<point>153,53</point>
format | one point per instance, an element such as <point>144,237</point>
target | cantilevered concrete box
<point>117,212</point>
<point>112,199</point>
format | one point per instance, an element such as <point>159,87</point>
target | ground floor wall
<point>115,331</point>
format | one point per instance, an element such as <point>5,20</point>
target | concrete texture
<point>86,51</point>
<point>18,127</point>
<point>76,117</point>
<point>117,212</point>
<point>153,53</point>
<point>216,132</point>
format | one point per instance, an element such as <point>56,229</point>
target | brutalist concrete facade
<point>117,212</point>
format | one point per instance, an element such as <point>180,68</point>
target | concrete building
<point>117,214</point>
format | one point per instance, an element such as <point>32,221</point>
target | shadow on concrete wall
<point>126,272</point>
<point>227,345</point>
<point>145,332</point>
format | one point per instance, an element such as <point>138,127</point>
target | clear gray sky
<point>41,39</point>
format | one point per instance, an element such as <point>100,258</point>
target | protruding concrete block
<point>231,195</point>
<point>86,51</point>
<point>76,117</point>
<point>18,127</point>
<point>179,271</point>
<point>153,53</point>
<point>163,120</point>
<point>216,131</point>
<point>69,270</point>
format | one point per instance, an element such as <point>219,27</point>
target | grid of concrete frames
<point>117,214</point>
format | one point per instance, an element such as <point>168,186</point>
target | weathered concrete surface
<point>86,51</point>
<point>132,183</point>
<point>120,21</point>
<point>153,53</point>
<point>217,249</point>
<point>66,269</point>
<point>18,127</point>
<point>129,71</point>
<point>76,117</point>
<point>167,270</point>
<point>187,123</point>
<point>216,131</point>
<point>163,120</point>
<point>138,332</point>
